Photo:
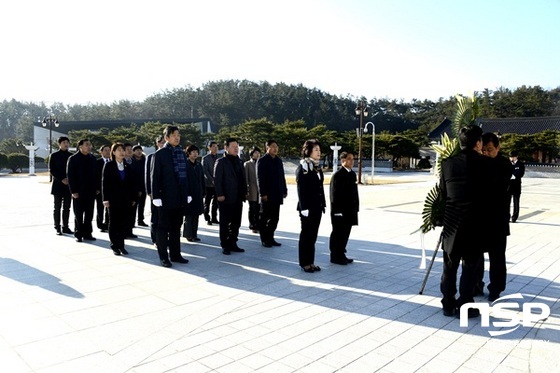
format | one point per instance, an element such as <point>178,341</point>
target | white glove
<point>338,214</point>
<point>305,213</point>
<point>157,202</point>
<point>189,199</point>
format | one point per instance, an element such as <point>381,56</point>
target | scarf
<point>179,163</point>
<point>309,164</point>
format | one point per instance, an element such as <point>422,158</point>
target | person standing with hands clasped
<point>170,196</point>
<point>311,203</point>
<point>117,189</point>
<point>59,189</point>
<point>345,205</point>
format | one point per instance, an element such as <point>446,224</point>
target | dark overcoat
<point>165,181</point>
<point>119,192</point>
<point>463,178</point>
<point>271,179</point>
<point>229,179</point>
<point>344,195</point>
<point>57,165</point>
<point>83,175</point>
<point>196,188</point>
<point>518,173</point>
<point>311,195</point>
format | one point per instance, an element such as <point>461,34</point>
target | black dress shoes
<point>226,252</point>
<point>180,260</point>
<point>166,263</point>
<point>123,251</point>
<point>215,221</point>
<point>450,311</point>
<point>342,262</point>
<point>59,232</point>
<point>142,224</point>
<point>89,238</point>
<point>67,230</point>
<point>116,252</point>
<point>274,243</point>
<point>131,236</point>
<point>266,244</point>
<point>78,239</point>
<point>237,249</point>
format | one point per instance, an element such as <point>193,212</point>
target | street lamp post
<point>372,147</point>
<point>49,121</point>
<point>361,111</point>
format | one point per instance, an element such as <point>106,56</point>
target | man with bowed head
<point>83,176</point>
<point>272,191</point>
<point>345,205</point>
<point>170,196</point>
<point>231,192</point>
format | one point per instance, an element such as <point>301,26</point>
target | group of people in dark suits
<point>82,181</point>
<point>475,188</point>
<point>181,189</point>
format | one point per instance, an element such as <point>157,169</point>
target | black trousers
<point>102,217</point>
<point>190,228</point>
<point>270,214</point>
<point>83,215</point>
<point>498,270</point>
<point>61,202</point>
<point>308,237</point>
<point>515,198</point>
<point>254,211</point>
<point>339,237</point>
<point>154,222</point>
<point>140,206</point>
<point>117,226</point>
<point>448,285</point>
<point>169,233</point>
<point>212,199</point>
<point>230,221</point>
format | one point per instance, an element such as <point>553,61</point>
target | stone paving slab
<point>70,306</point>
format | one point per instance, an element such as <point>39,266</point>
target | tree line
<point>254,111</point>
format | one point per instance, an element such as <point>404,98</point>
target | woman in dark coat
<point>311,203</point>
<point>118,189</point>
<point>196,189</point>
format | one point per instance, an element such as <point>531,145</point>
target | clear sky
<point>84,51</point>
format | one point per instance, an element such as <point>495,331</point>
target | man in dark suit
<point>272,191</point>
<point>138,169</point>
<point>82,179</point>
<point>160,142</point>
<point>231,192</point>
<point>102,212</point>
<point>515,183</point>
<point>345,205</point>
<point>59,189</point>
<point>463,178</point>
<point>497,228</point>
<point>169,193</point>
<point>208,162</point>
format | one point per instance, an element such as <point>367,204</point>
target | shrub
<point>17,161</point>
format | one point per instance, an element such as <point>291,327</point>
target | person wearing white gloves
<point>170,195</point>
<point>311,203</point>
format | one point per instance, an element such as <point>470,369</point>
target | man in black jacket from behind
<point>170,195</point>
<point>515,183</point>
<point>463,178</point>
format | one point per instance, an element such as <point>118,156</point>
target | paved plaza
<point>75,307</point>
